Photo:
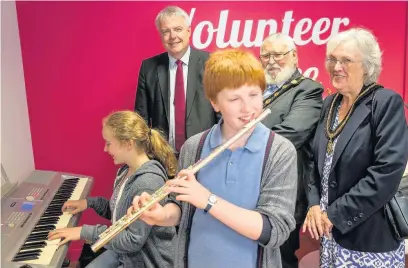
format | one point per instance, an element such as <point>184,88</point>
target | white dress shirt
<point>173,70</point>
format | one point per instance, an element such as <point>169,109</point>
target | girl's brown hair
<point>129,126</point>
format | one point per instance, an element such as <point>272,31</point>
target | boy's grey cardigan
<point>276,200</point>
<point>140,245</point>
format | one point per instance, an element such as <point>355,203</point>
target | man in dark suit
<point>170,94</point>
<point>295,102</point>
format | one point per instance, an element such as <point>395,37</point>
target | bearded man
<point>295,102</point>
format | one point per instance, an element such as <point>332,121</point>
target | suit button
<point>355,219</point>
<point>349,223</point>
<point>333,184</point>
<point>361,215</point>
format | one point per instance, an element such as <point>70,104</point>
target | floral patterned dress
<point>332,255</point>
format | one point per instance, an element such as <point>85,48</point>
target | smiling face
<point>114,147</point>
<point>238,106</point>
<point>345,68</point>
<point>278,61</point>
<point>175,35</point>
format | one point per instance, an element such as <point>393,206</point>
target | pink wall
<point>406,63</point>
<point>81,61</point>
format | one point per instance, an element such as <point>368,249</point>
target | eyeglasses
<point>344,62</point>
<point>275,56</point>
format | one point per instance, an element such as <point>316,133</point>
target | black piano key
<point>66,189</point>
<point>70,183</point>
<point>47,222</point>
<point>22,255</point>
<point>47,213</point>
<point>48,218</point>
<point>57,206</point>
<point>37,246</point>
<point>59,199</point>
<point>58,202</point>
<point>35,243</point>
<point>52,214</point>
<point>43,233</point>
<point>29,252</point>
<point>63,196</point>
<point>38,235</point>
<point>36,238</point>
<point>65,183</point>
<point>39,232</point>
<point>53,209</point>
<point>28,258</point>
<point>72,179</point>
<point>33,246</point>
<point>68,186</point>
<point>44,228</point>
<point>63,192</point>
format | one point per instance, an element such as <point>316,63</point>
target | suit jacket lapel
<point>322,142</point>
<point>194,67</point>
<point>163,75</point>
<point>358,116</point>
<point>322,148</point>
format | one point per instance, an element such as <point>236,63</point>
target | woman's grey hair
<point>368,46</point>
<point>172,11</point>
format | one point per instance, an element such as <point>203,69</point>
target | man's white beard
<point>281,77</point>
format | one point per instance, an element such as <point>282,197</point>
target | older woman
<point>360,152</point>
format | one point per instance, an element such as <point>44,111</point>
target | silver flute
<point>161,193</point>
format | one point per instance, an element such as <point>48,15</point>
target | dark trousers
<point>288,249</point>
